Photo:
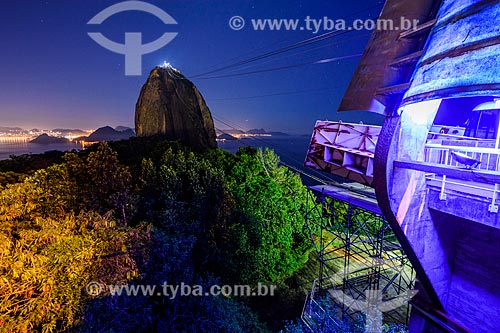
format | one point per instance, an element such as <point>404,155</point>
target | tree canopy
<point>145,212</point>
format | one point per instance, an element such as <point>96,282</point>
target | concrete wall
<point>457,260</point>
<point>474,292</point>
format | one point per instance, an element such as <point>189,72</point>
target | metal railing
<point>483,151</point>
<point>314,315</point>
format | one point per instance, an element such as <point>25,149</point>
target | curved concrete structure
<point>456,255</point>
<point>446,217</point>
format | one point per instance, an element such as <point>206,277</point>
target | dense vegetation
<point>16,168</point>
<point>144,212</point>
<point>147,211</point>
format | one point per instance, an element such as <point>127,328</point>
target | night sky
<point>54,75</point>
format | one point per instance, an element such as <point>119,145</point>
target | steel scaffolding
<point>361,262</point>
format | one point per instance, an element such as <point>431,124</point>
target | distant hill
<point>257,131</point>
<point>228,131</point>
<point>68,130</point>
<point>225,136</point>
<point>122,128</point>
<point>107,133</point>
<point>10,129</point>
<point>45,139</point>
<point>263,131</point>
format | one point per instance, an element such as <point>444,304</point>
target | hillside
<point>107,133</point>
<point>45,139</point>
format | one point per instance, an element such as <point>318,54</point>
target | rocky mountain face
<point>171,105</point>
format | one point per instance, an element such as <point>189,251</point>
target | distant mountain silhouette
<point>225,136</point>
<point>278,134</point>
<point>68,130</point>
<point>107,133</point>
<point>263,131</point>
<point>123,128</point>
<point>10,129</point>
<point>257,131</point>
<point>228,131</point>
<point>47,139</point>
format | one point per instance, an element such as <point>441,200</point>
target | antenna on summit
<point>166,65</point>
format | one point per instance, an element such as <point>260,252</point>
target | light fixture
<point>166,65</point>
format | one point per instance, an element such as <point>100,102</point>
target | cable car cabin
<point>343,149</point>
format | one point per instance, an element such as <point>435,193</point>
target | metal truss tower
<point>359,257</point>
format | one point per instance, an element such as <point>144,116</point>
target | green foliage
<point>246,211</point>
<point>346,327</point>
<point>219,314</point>
<point>53,241</point>
<point>182,314</point>
<point>95,183</point>
<point>358,220</point>
<point>11,177</point>
<point>28,164</point>
<point>181,189</point>
<point>327,325</point>
<point>151,212</point>
<point>48,256</point>
<point>268,227</point>
<point>102,182</point>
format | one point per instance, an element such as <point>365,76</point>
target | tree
<point>267,229</point>
<point>110,181</point>
<point>47,256</point>
<point>169,215</point>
